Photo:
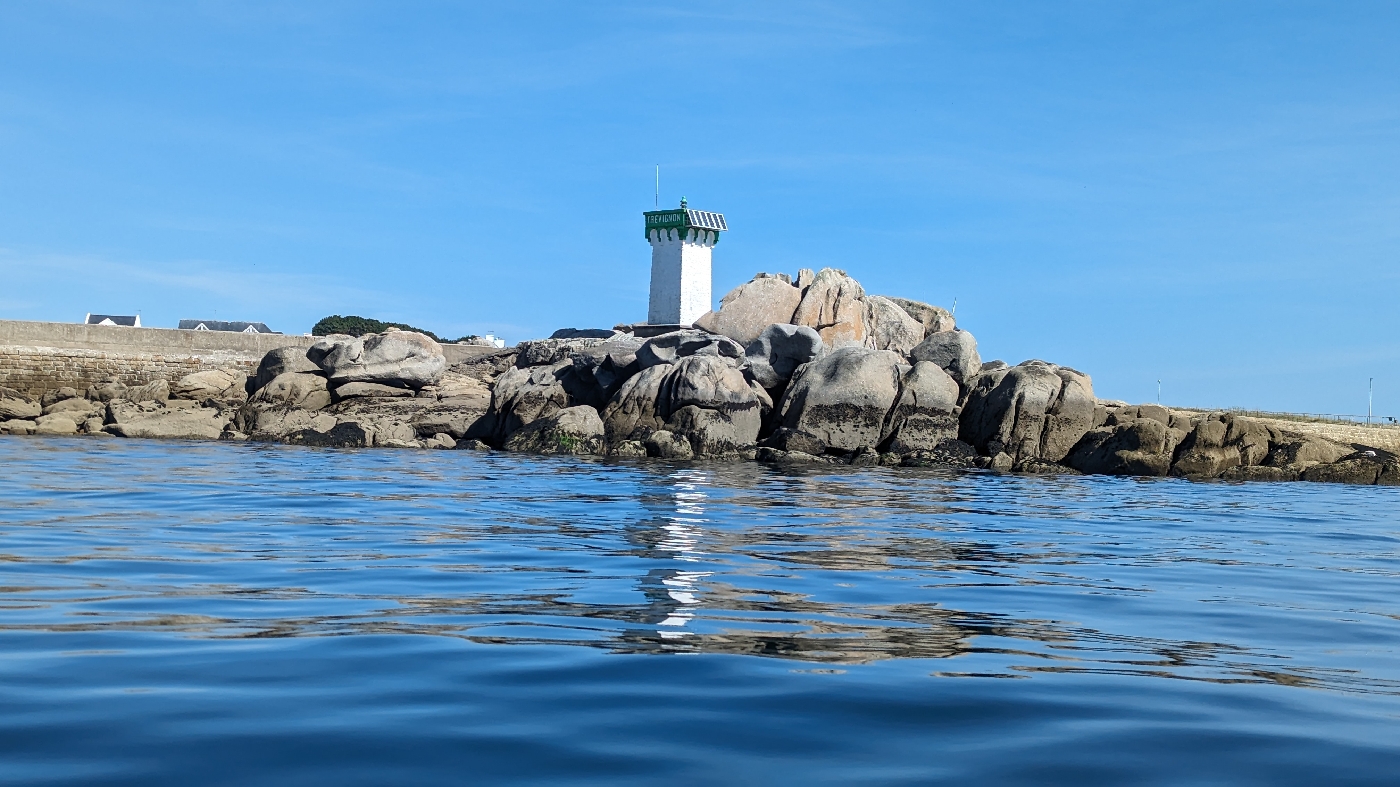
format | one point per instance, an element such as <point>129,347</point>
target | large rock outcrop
<point>1290,457</point>
<point>555,374</point>
<point>672,347</point>
<point>1137,440</point>
<point>599,365</point>
<point>1216,444</point>
<point>283,360</point>
<point>275,424</point>
<point>1368,466</point>
<point>856,398</point>
<point>356,390</point>
<point>154,419</point>
<point>1153,440</point>
<point>15,405</point>
<point>934,319</point>
<point>584,333</point>
<point>573,430</point>
<point>107,391</point>
<point>831,303</point>
<point>600,371</point>
<point>300,390</point>
<point>925,416</point>
<point>861,380</point>
<point>751,307</point>
<point>460,409</point>
<point>55,396</point>
<point>304,408</point>
<point>522,396</point>
<point>955,352</point>
<point>153,391</point>
<point>396,358</point>
<point>702,399</point>
<point>389,421</point>
<point>77,409</point>
<point>779,350</point>
<point>224,384</point>
<point>834,305</point>
<point>17,426</point>
<point>1031,411</point>
<point>1300,453</point>
<point>1139,446</point>
<point>346,434</point>
<point>888,327</point>
<point>55,424</point>
<point>546,352</point>
<point>842,399</point>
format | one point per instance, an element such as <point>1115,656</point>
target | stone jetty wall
<point>37,357</point>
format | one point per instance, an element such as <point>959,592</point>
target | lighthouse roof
<point>684,218</point>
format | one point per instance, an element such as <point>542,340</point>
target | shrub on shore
<point>353,325</point>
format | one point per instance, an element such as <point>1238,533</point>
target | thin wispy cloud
<point>174,281</point>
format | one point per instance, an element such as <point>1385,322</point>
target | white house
<point>222,325</point>
<point>130,321</point>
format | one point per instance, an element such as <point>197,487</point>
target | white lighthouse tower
<point>681,243</point>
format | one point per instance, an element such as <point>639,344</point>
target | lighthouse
<point>681,244</point>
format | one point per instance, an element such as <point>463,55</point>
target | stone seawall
<point>36,357</point>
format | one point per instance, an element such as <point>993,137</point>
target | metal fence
<point>1325,418</point>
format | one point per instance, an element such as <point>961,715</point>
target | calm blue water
<point>230,614</point>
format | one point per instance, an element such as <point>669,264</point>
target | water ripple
<point>1093,581</point>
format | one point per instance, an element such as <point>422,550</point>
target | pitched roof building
<point>113,319</point>
<point>223,325</point>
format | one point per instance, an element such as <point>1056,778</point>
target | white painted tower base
<point>680,275</point>
<point>682,241</point>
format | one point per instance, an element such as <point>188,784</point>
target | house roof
<point>130,321</point>
<point>225,325</point>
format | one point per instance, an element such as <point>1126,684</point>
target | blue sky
<point>1202,193</point>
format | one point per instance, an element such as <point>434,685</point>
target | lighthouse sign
<point>684,218</point>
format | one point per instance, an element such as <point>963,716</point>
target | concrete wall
<point>153,340</point>
<point>457,353</point>
<point>40,356</point>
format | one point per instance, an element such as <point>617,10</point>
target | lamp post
<point>1370,396</point>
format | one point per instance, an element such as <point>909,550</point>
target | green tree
<point>359,326</point>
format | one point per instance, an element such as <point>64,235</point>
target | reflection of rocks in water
<point>691,613</point>
<point>806,565</point>
<point>901,553</point>
<point>781,632</point>
<point>782,626</point>
<point>794,628</point>
<point>732,622</point>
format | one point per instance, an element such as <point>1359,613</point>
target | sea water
<point>213,613</point>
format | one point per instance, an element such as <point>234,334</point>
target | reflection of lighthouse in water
<point>681,535</point>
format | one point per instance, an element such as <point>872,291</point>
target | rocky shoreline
<point>790,372</point>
